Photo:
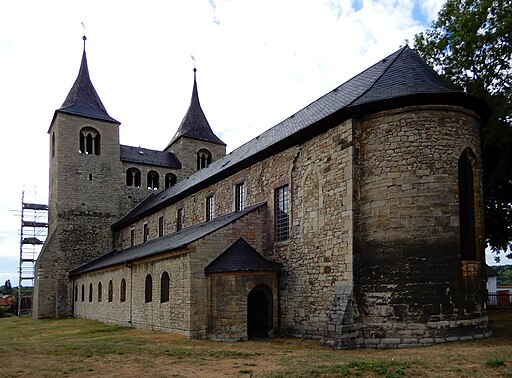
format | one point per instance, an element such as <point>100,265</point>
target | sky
<point>258,62</point>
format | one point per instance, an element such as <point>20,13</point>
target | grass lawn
<point>78,347</point>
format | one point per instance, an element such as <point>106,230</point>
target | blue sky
<point>258,62</point>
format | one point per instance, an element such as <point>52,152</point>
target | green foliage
<point>504,274</point>
<point>495,362</point>
<point>470,45</point>
<point>6,288</point>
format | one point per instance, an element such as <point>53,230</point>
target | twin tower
<point>94,180</point>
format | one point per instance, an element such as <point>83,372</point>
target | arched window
<point>89,141</point>
<point>133,177</point>
<point>90,292</point>
<point>467,207</point>
<point>153,179</point>
<point>76,293</point>
<point>99,291</point>
<point>110,290</point>
<point>148,289</point>
<point>53,144</point>
<point>164,287</point>
<point>83,292</point>
<point>170,180</point>
<point>122,293</point>
<point>204,158</point>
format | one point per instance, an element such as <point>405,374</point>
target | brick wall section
<point>408,259</point>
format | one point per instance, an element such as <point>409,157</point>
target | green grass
<point>78,347</point>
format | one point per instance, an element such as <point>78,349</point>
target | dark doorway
<point>259,312</point>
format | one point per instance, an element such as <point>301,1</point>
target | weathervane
<point>84,37</point>
<point>194,60</point>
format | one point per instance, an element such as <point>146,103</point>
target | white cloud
<point>258,62</point>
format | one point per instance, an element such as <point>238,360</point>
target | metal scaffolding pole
<point>33,232</point>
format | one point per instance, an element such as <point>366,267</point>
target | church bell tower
<point>86,180</point>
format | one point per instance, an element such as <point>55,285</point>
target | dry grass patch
<point>78,347</point>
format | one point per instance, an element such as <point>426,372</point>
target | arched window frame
<point>468,189</point>
<point>164,287</point>
<point>170,180</point>
<point>148,289</point>
<point>204,158</point>
<point>153,179</point>
<point>110,291</point>
<point>90,141</point>
<point>90,292</point>
<point>122,291</point>
<point>133,177</point>
<point>100,288</point>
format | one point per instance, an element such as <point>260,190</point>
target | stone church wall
<point>187,310</point>
<point>316,287</point>
<point>79,229</point>
<point>409,270</point>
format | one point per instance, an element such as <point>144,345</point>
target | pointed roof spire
<point>194,124</point>
<point>82,99</point>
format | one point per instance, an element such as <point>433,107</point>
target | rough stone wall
<point>410,289</point>
<point>316,288</point>
<point>187,309</point>
<point>227,300</point>
<point>84,200</point>
<point>186,149</point>
<point>133,195</point>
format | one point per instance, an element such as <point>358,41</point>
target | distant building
<point>357,221</point>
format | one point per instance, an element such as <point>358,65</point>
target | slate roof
<point>241,257</point>
<point>165,243</point>
<point>151,157</point>
<point>401,79</point>
<point>195,125</point>
<point>82,99</point>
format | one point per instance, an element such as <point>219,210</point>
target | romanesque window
<point>83,292</point>
<point>90,292</point>
<point>76,293</point>
<point>170,180</point>
<point>110,291</point>
<point>239,196</point>
<point>164,287</point>
<point>204,158</point>
<point>132,237</point>
<point>210,208</point>
<point>148,289</point>
<point>122,292</point>
<point>466,208</point>
<point>53,144</point>
<point>153,179</point>
<point>145,232</point>
<point>282,213</point>
<point>180,219</point>
<point>133,177</point>
<point>160,226</point>
<point>89,141</point>
<point>99,291</point>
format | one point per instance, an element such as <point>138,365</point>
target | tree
<point>6,288</point>
<point>470,44</point>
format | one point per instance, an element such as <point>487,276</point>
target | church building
<point>357,221</point>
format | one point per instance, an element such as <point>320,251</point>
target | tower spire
<point>194,124</point>
<point>82,99</point>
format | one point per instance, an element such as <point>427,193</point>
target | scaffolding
<point>34,229</point>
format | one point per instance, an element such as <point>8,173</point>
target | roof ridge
<point>397,54</point>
